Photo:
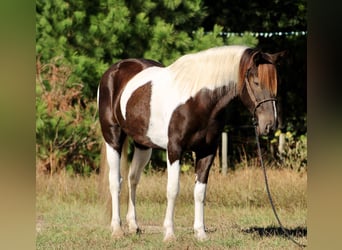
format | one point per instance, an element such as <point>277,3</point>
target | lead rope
<point>268,189</point>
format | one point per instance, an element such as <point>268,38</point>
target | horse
<point>179,108</point>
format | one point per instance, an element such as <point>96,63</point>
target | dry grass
<point>71,213</point>
<point>242,188</point>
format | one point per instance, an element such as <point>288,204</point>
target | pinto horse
<point>179,108</point>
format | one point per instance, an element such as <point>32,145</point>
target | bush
<point>293,152</point>
<point>67,131</point>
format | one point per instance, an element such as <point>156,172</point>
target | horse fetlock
<point>133,226</point>
<point>200,234</point>
<point>117,231</point>
<point>169,235</point>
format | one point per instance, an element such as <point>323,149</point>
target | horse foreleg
<point>199,196</point>
<point>202,173</point>
<point>172,192</point>
<point>139,161</point>
<point>113,158</point>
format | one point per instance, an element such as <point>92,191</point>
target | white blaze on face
<point>275,111</point>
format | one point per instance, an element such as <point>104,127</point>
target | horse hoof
<point>169,238</point>
<point>134,231</point>
<point>117,234</point>
<point>201,236</point>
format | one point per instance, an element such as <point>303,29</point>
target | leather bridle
<point>257,103</point>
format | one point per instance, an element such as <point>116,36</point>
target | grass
<point>72,215</point>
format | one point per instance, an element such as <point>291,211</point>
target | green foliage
<point>247,39</point>
<point>92,35</point>
<point>77,40</point>
<point>294,150</point>
<point>66,125</point>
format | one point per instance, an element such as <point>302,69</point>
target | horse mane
<point>211,69</point>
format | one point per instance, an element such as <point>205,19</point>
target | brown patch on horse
<point>196,124</point>
<point>111,86</point>
<point>139,114</point>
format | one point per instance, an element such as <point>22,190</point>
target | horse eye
<point>256,83</point>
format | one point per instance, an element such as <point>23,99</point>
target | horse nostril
<point>268,128</point>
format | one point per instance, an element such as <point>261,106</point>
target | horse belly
<point>163,103</point>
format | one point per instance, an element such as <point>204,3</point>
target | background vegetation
<point>77,40</point>
<point>71,213</point>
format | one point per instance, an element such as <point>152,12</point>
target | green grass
<point>72,215</point>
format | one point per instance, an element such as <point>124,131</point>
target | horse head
<point>259,81</point>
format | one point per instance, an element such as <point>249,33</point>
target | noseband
<point>256,102</point>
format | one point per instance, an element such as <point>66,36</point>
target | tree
<point>85,37</point>
<point>91,35</point>
<point>272,16</point>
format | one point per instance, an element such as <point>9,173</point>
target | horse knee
<point>199,192</point>
<point>172,191</point>
<point>115,186</point>
<point>173,180</point>
<point>133,179</point>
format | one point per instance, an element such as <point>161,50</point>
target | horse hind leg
<point>141,157</point>
<point>113,159</point>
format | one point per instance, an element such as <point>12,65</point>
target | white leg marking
<point>199,196</point>
<point>113,159</point>
<point>139,161</point>
<point>172,192</point>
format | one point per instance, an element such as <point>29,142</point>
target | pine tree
<point>91,35</point>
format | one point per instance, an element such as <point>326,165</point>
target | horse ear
<point>258,58</point>
<point>262,58</point>
<point>277,57</point>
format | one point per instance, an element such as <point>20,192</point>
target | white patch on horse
<point>151,74</point>
<point>164,100</point>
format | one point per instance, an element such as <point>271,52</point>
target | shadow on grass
<point>276,231</point>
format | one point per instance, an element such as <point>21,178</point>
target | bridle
<point>257,103</point>
<point>255,123</point>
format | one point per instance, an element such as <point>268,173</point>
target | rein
<point>268,190</point>
<point>255,123</point>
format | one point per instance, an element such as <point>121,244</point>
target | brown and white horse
<point>179,108</point>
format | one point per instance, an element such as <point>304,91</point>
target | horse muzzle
<point>264,128</point>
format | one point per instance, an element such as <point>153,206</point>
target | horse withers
<point>179,108</point>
